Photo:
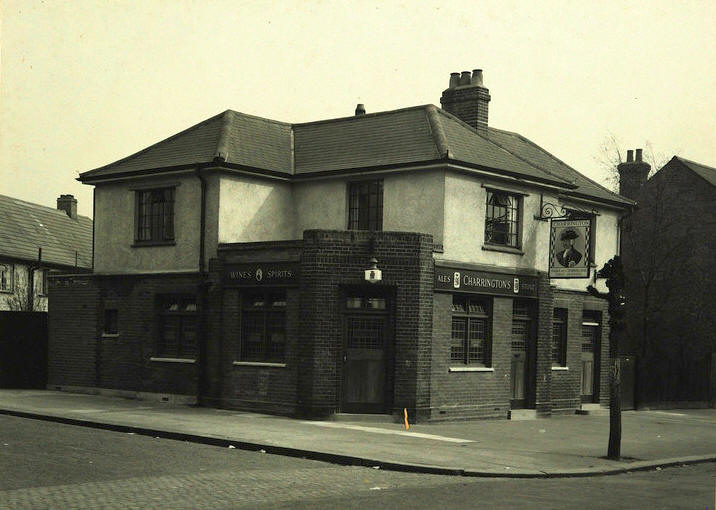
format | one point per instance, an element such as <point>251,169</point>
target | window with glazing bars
<point>263,329</point>
<point>365,205</point>
<point>502,218</point>
<point>177,327</point>
<point>470,343</point>
<point>155,215</point>
<point>521,326</point>
<point>559,337</point>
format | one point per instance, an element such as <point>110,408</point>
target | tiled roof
<point>400,137</point>
<point>537,156</point>
<point>707,172</point>
<point>25,227</point>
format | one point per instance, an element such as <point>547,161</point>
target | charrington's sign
<point>270,273</point>
<point>483,282</point>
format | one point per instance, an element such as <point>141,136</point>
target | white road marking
<point>670,414</point>
<point>377,430</point>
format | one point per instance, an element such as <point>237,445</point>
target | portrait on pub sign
<point>569,249</point>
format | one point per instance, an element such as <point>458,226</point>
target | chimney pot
<point>68,203</point>
<point>454,80</point>
<point>476,77</point>
<point>360,109</point>
<point>465,78</point>
<point>630,156</point>
<point>638,155</point>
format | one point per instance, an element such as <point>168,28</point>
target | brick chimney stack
<point>467,99</point>
<point>68,203</point>
<point>632,174</point>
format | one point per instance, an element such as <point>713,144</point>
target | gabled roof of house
<point>408,136</point>
<point>706,172</point>
<point>25,227</point>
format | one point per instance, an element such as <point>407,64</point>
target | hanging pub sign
<point>569,248</point>
<point>269,273</point>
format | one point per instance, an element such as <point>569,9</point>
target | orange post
<point>405,413</point>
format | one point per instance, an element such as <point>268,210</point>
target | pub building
<point>410,259</point>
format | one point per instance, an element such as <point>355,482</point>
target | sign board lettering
<point>483,282</point>
<point>569,248</point>
<point>270,273</point>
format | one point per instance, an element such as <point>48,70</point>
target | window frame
<point>114,321</point>
<point>10,278</point>
<point>516,205</point>
<point>159,222</point>
<point>42,291</point>
<point>181,317</point>
<point>373,218</point>
<point>466,317</point>
<point>560,319</point>
<point>265,311</point>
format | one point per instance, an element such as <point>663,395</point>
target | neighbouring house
<point>669,250</point>
<point>34,241</point>
<point>368,264</point>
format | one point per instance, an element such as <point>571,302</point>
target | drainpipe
<point>202,290</point>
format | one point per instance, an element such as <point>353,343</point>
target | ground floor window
<point>559,337</point>
<point>177,327</point>
<point>470,342</point>
<point>263,326</point>
<point>6,277</point>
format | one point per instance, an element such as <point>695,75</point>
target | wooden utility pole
<point>614,273</point>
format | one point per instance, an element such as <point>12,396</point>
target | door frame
<point>530,369</point>
<point>374,290</point>
<point>594,318</point>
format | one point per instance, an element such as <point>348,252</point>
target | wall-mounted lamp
<point>373,274</point>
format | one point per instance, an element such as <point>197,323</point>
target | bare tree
<point>609,155</point>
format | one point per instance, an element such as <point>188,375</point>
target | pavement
<point>559,446</point>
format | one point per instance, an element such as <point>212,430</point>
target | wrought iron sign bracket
<point>548,210</point>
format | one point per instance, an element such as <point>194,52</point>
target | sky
<point>84,83</point>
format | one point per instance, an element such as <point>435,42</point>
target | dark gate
<point>23,350</point>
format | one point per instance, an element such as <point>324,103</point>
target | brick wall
<point>81,355</point>
<point>335,259</point>
<point>670,242</point>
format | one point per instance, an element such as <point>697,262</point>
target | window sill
<point>143,244</point>
<point>471,369</point>
<point>560,369</point>
<point>173,360</point>
<point>110,335</point>
<point>259,364</point>
<point>503,249</point>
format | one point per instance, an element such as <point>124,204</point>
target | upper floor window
<point>6,277</point>
<point>155,215</point>
<point>502,218</point>
<point>42,282</point>
<point>365,205</point>
<point>470,344</point>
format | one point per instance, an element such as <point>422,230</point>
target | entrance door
<point>365,367</point>
<point>520,355</point>
<point>520,337</point>
<point>590,351</point>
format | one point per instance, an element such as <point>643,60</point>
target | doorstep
<point>370,418</point>
<point>523,414</point>
<point>593,409</point>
